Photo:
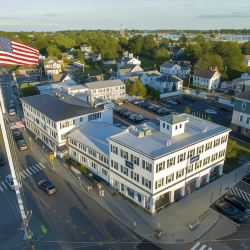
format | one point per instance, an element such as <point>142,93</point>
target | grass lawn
<point>28,89</point>
<point>237,153</point>
<point>93,69</point>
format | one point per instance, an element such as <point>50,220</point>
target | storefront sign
<point>129,164</point>
<point>194,159</point>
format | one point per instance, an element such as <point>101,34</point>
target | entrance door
<point>214,173</point>
<point>190,187</point>
<point>177,194</point>
<point>162,200</point>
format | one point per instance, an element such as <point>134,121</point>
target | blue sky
<point>51,15</point>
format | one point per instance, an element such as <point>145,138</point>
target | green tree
<point>193,52</point>
<point>210,61</point>
<point>135,44</point>
<point>231,152</point>
<point>246,48</point>
<point>152,93</point>
<point>138,89</point>
<point>148,44</point>
<point>187,110</point>
<point>52,50</point>
<point>78,54</point>
<point>161,54</point>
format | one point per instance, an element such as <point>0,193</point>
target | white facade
<point>85,48</point>
<point>127,60</point>
<point>208,83</point>
<point>156,182</point>
<point>53,132</point>
<point>52,67</point>
<point>175,69</point>
<point>125,73</point>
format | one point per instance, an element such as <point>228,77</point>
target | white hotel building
<point>155,164</point>
<point>52,116</point>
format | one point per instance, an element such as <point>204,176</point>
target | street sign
<point>52,156</point>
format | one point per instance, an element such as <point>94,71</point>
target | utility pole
<point>25,218</point>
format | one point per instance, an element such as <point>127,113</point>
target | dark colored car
<point>246,179</point>
<point>227,109</point>
<point>127,114</point>
<point>163,111</point>
<point>238,202</point>
<point>121,111</point>
<point>22,145</point>
<point>230,211</point>
<point>144,104</point>
<point>17,134</point>
<point>2,160</point>
<point>180,100</point>
<point>47,186</point>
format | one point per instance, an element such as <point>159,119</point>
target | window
<point>134,176</point>
<point>176,127</point>
<point>214,157</point>
<point>189,168</point>
<point>146,182</point>
<point>169,178</point>
<point>241,118</point>
<point>124,170</point>
<point>63,137</point>
<point>209,145</point>
<point>181,157</point>
<point>104,171</point>
<point>243,105</point>
<point>114,149</point>
<point>206,160</point>
<point>180,173</point>
<point>222,153</point>
<point>124,154</point>
<point>146,165</point>
<point>74,153</point>
<point>200,149</point>
<point>248,120</point>
<point>94,116</point>
<point>163,125</point>
<point>159,183</point>
<point>170,162</point>
<point>246,131</point>
<point>93,164</point>
<point>216,142</point>
<point>114,164</point>
<point>191,153</point>
<point>135,159</point>
<point>198,164</point>
<point>167,127</point>
<point>160,166</point>
<point>224,139</point>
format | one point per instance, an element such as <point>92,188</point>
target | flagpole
<point>27,232</point>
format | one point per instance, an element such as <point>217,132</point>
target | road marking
<point>1,189</point>
<point>203,247</point>
<point>4,185</point>
<point>28,171</point>
<point>22,175</point>
<point>240,193</point>
<point>38,166</point>
<point>41,165</point>
<point>32,170</point>
<point>195,246</point>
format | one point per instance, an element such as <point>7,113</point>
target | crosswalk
<point>25,173</point>
<point>240,193</point>
<point>200,246</point>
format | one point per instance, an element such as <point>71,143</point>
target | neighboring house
<point>128,59</point>
<point>100,91</point>
<point>68,55</point>
<point>172,68</point>
<point>207,78</point>
<point>226,85</point>
<point>85,48</point>
<point>241,114</point>
<point>247,60</point>
<point>95,57</point>
<point>29,70</point>
<point>167,83</point>
<point>240,85</point>
<point>155,165</point>
<point>51,117</point>
<point>128,70</point>
<point>150,77</point>
<point>79,65</point>
<point>51,67</point>
<point>88,146</point>
<point>245,76</point>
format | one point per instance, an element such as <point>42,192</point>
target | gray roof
<point>168,65</point>
<point>244,95</point>
<point>159,144</point>
<point>94,135</point>
<point>59,108</point>
<point>169,78</point>
<point>204,73</point>
<point>174,119</point>
<point>104,84</point>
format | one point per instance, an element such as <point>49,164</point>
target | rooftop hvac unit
<point>168,143</point>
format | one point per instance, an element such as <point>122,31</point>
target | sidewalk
<point>173,221</point>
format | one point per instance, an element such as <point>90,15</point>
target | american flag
<point>14,53</point>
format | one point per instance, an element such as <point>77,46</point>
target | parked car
<point>2,160</point>
<point>122,111</point>
<point>211,111</point>
<point>238,202</point>
<point>227,109</point>
<point>163,111</point>
<point>17,134</point>
<point>127,114</point>
<point>153,108</point>
<point>12,111</point>
<point>179,100</point>
<point>47,186</point>
<point>137,102</point>
<point>10,182</point>
<point>231,211</point>
<point>136,118</point>
<point>118,102</point>
<point>172,102</point>
<point>188,98</point>
<point>11,103</point>
<point>22,145</point>
<point>144,104</point>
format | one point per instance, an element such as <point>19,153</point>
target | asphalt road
<point>73,220</point>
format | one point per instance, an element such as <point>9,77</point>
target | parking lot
<point>235,203</point>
